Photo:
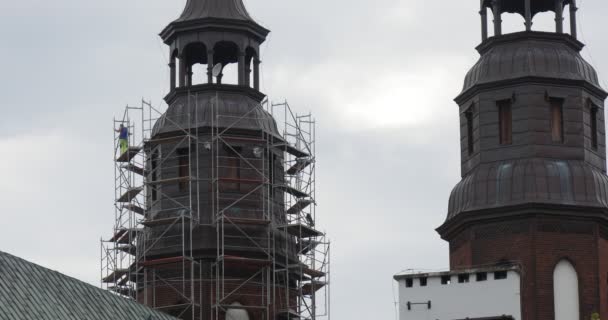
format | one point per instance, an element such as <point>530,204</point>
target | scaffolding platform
<point>310,288</point>
<point>243,181</point>
<point>130,194</point>
<point>300,205</point>
<point>246,221</point>
<point>170,181</point>
<point>248,140</point>
<point>134,168</point>
<point>163,221</point>
<point>129,154</point>
<point>292,191</point>
<point>125,235</point>
<point>162,261</point>
<point>127,248</point>
<point>116,274</point>
<point>307,245</point>
<point>301,230</point>
<point>303,269</point>
<point>243,261</point>
<point>291,150</point>
<point>121,290</point>
<point>299,166</point>
<point>134,208</point>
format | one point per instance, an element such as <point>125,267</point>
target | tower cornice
<point>213,24</point>
<point>530,35</point>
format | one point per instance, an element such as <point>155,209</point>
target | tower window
<point>409,282</point>
<point>499,275</point>
<point>232,169</point>
<point>505,121</point>
<point>481,276</point>
<point>463,278</point>
<point>446,279</point>
<point>594,135</point>
<point>557,120</point>
<point>183,168</point>
<point>469,118</point>
<point>423,282</point>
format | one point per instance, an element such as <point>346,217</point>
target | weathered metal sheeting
<point>224,9</point>
<point>530,56</point>
<point>516,182</point>
<point>29,291</point>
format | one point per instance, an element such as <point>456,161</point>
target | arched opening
<point>513,22</point>
<point>173,69</point>
<point>196,63</point>
<point>544,21</point>
<point>251,67</point>
<point>237,313</point>
<point>565,292</point>
<point>227,53</point>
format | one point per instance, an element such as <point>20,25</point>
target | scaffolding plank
<point>301,230</point>
<point>302,269</point>
<point>163,221</point>
<point>243,261</point>
<point>246,221</point>
<point>129,195</point>
<point>244,139</point>
<point>292,150</point>
<point>134,168</point>
<point>127,248</point>
<point>243,181</point>
<point>115,275</point>
<point>162,261</point>
<point>128,236</point>
<point>293,191</point>
<point>122,290</point>
<point>170,180</point>
<point>300,205</point>
<point>299,166</point>
<point>129,154</point>
<point>134,208</point>
<point>118,234</point>
<point>307,245</point>
<point>308,289</point>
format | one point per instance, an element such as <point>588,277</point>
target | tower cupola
<point>215,33</point>
<point>527,9</point>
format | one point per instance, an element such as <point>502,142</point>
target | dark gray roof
<point>224,9</point>
<point>530,181</point>
<point>519,6</point>
<point>31,292</point>
<point>528,55</point>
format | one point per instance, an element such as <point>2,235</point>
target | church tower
<point>227,196</point>
<point>534,190</point>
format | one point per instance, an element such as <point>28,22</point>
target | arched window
<point>565,292</point>
<point>227,53</point>
<point>236,313</point>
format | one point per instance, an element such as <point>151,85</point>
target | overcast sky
<point>379,76</point>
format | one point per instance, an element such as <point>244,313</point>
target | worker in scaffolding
<point>123,138</point>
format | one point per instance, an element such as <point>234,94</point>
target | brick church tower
<point>534,189</point>
<point>215,196</point>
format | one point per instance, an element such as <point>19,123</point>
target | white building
<point>482,294</point>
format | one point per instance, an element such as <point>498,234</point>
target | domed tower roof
<point>532,125</point>
<point>530,54</point>
<point>223,9</point>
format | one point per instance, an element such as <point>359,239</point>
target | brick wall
<point>537,245</point>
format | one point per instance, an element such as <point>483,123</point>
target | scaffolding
<point>257,195</point>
